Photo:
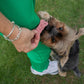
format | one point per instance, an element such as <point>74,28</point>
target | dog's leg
<point>55,57</point>
<point>65,57</point>
<point>63,60</point>
<point>79,34</point>
<point>52,54</point>
<point>77,72</point>
<point>62,73</point>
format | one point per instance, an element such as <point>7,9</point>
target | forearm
<point>6,26</point>
<point>24,42</point>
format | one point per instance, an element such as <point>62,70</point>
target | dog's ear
<point>52,21</point>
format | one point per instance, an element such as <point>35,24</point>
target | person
<point>23,14</point>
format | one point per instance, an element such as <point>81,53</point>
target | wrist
<point>14,33</point>
<point>7,28</point>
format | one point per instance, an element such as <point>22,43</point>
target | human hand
<point>28,40</point>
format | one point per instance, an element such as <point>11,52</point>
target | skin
<point>28,39</point>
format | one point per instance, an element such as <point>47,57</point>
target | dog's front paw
<point>63,74</point>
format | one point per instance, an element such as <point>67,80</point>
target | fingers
<point>29,47</point>
<point>28,41</point>
<point>37,36</point>
<point>18,50</point>
<point>33,32</point>
<point>26,49</point>
<point>32,45</point>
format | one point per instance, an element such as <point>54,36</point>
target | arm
<point>24,43</point>
<point>6,26</point>
<point>27,18</point>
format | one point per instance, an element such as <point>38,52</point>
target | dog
<point>64,43</point>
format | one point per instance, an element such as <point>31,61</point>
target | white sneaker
<point>52,69</point>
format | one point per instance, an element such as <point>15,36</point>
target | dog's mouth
<point>44,35</point>
<point>50,36</point>
<point>50,32</point>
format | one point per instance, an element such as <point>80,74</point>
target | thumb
<point>34,44</point>
<point>34,31</point>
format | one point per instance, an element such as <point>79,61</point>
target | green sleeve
<point>1,34</point>
<point>20,11</point>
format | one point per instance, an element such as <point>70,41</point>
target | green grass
<point>15,66</point>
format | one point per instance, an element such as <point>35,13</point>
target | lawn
<point>15,66</point>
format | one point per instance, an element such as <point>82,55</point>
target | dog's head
<point>53,32</point>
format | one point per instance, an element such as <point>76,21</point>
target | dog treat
<point>41,26</point>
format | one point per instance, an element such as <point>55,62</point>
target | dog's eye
<point>53,40</point>
<point>61,28</point>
